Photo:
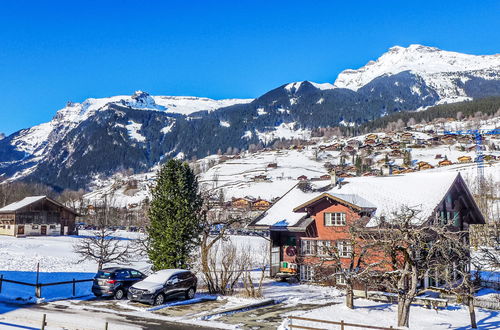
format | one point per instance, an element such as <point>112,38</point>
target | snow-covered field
<point>379,314</point>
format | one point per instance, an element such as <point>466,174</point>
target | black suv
<point>155,288</point>
<point>115,281</point>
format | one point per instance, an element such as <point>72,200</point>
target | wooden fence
<point>342,324</point>
<point>38,286</point>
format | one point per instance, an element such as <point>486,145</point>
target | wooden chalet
<point>386,140</point>
<point>272,165</point>
<point>37,216</point>
<point>302,221</point>
<point>445,162</point>
<point>370,142</point>
<point>424,165</point>
<point>260,178</point>
<point>241,203</point>
<point>371,136</point>
<point>406,137</point>
<point>464,159</point>
<point>261,204</point>
<point>302,178</point>
<point>449,139</point>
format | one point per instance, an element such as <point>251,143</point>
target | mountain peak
<point>427,62</point>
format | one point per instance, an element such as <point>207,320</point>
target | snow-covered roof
<point>421,191</point>
<point>163,275</point>
<point>20,204</point>
<point>28,201</point>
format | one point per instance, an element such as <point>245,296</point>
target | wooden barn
<point>36,215</point>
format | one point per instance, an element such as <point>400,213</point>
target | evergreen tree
<point>175,216</point>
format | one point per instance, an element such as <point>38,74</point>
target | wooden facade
<point>37,216</point>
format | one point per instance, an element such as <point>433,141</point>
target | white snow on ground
<point>57,262</point>
<point>168,129</point>
<point>380,314</point>
<point>261,111</point>
<point>133,129</point>
<point>224,123</point>
<point>284,131</point>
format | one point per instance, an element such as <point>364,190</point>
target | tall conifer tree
<point>175,216</point>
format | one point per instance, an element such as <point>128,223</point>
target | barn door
<point>43,230</point>
<point>20,229</point>
<point>275,260</point>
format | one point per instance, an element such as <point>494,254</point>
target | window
<point>308,247</point>
<point>324,248</point>
<point>34,227</point>
<point>52,226</point>
<point>173,279</point>
<point>335,219</point>
<point>122,274</point>
<point>344,249</point>
<point>306,273</point>
<point>340,279</point>
<point>135,274</point>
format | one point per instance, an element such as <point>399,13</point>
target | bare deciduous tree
<point>102,246</point>
<point>254,261</point>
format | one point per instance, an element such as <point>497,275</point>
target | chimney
<point>333,177</point>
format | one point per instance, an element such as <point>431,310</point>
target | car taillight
<point>111,281</point>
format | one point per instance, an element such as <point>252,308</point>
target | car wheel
<point>159,300</point>
<point>119,294</point>
<point>190,293</point>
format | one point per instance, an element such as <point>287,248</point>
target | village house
<point>464,159</point>
<point>241,203</point>
<point>354,143</point>
<point>406,137</point>
<point>261,204</point>
<point>260,178</point>
<point>445,162</point>
<point>424,165</point>
<point>370,142</point>
<point>272,165</point>
<point>448,139</point>
<point>489,158</point>
<point>309,217</point>
<point>37,215</point>
<point>302,178</point>
<point>386,139</point>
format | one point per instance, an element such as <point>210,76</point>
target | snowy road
<point>60,316</point>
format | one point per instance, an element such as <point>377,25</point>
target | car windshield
<point>103,274</point>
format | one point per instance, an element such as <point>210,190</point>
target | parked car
<point>155,288</point>
<point>115,282</point>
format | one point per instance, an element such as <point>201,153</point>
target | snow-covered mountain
<point>445,72</point>
<point>138,131</point>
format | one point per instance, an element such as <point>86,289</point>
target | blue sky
<point>55,51</point>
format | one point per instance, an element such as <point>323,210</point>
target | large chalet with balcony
<point>36,216</point>
<point>310,217</point>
